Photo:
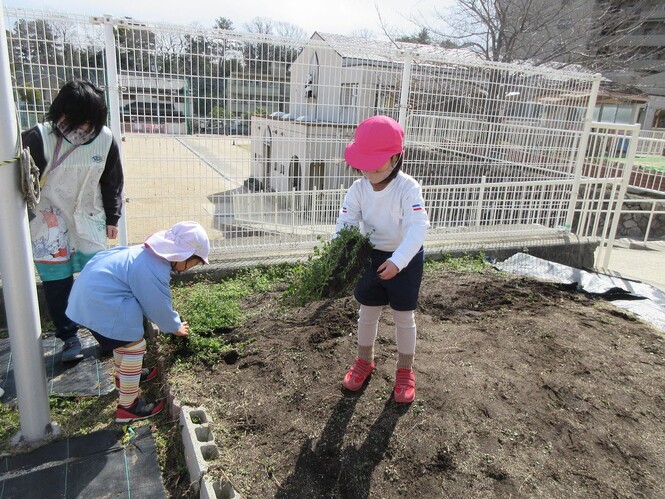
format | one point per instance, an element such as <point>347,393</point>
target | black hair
<point>396,168</point>
<point>80,102</point>
<point>393,173</point>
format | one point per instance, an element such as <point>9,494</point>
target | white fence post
<point>404,95</point>
<point>648,228</point>
<point>114,92</point>
<point>627,170</point>
<point>18,275</point>
<point>581,151</point>
<point>481,197</point>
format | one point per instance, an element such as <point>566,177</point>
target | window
<point>349,97</point>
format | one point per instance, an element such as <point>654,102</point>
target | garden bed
<point>524,389</point>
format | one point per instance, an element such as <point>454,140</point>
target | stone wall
<point>634,225</point>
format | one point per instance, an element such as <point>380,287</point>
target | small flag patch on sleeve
<point>417,207</point>
<point>344,209</point>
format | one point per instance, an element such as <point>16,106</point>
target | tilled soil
<point>524,389</point>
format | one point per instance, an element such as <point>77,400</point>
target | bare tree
<point>363,33</point>
<point>594,34</point>
<point>267,26</point>
<point>260,25</point>
<point>288,30</point>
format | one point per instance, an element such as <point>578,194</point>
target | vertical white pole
<point>481,199</point>
<point>651,215</point>
<point>18,275</point>
<point>581,151</point>
<point>404,94</point>
<point>113,87</point>
<point>625,181</point>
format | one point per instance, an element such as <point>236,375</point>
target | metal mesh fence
<point>245,133</point>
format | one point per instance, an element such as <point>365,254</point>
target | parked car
<point>238,127</point>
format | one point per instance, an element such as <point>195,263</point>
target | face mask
<point>378,177</point>
<point>78,136</point>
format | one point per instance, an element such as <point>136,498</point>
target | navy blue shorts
<point>401,292</point>
<point>108,344</point>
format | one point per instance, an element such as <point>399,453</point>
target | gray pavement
<point>636,260</point>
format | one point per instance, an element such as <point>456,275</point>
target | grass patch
<point>656,163</point>
<point>214,309</point>
<point>83,415</point>
<point>74,416</point>
<point>332,271</point>
<point>9,426</point>
<point>465,263</point>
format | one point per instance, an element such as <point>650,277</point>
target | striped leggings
<point>128,361</point>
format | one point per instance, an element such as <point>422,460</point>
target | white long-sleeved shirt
<point>394,218</point>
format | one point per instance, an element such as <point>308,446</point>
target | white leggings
<point>405,328</point>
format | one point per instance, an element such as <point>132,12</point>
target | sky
<point>342,17</point>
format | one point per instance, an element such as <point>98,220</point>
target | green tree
<point>136,47</point>
<point>223,23</point>
<point>30,95</point>
<point>422,37</point>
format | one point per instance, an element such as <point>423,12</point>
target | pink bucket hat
<point>180,242</point>
<point>376,140</point>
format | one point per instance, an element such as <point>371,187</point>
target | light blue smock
<point>118,287</point>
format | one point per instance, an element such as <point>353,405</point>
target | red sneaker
<point>146,375</point>
<point>140,409</point>
<point>357,375</point>
<point>405,386</point>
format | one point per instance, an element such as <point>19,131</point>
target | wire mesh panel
<point>46,50</point>
<point>501,122</point>
<point>245,133</point>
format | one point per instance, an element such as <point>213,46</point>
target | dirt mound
<point>523,389</point>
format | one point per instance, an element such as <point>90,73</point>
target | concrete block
<point>198,441</point>
<point>220,489</point>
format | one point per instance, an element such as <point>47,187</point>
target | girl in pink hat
<point>120,286</point>
<point>387,205</point>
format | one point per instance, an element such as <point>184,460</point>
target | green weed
<point>83,415</point>
<point>332,271</point>
<point>9,425</point>
<point>466,263</point>
<point>214,309</point>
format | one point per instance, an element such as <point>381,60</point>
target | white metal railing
<point>649,170</point>
<point>656,133</point>
<point>491,210</point>
<point>648,215</point>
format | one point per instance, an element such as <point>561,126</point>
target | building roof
<point>151,82</point>
<point>621,91</point>
<point>359,48</point>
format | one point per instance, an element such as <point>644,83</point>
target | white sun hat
<point>180,242</point>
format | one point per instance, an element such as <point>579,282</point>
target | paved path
<point>633,259</point>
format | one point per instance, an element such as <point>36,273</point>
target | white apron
<point>69,226</point>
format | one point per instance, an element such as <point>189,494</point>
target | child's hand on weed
<point>184,330</point>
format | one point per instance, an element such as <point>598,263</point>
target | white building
<point>335,82</point>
